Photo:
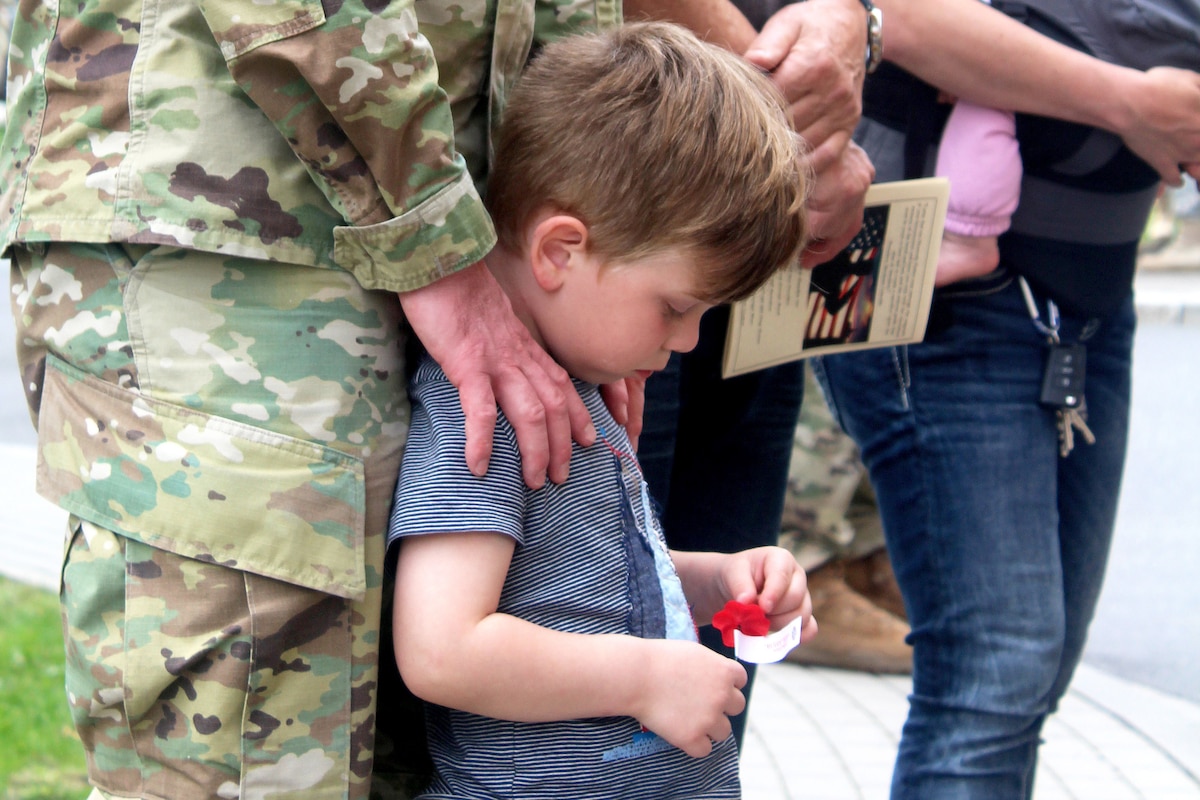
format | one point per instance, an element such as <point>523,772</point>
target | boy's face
<point>619,319</point>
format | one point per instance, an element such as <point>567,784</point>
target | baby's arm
<point>767,576</point>
<point>454,649</point>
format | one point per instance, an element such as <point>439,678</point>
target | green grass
<point>40,758</point>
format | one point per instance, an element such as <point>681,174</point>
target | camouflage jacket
<point>350,134</point>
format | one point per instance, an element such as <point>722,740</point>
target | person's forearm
<point>975,52</point>
<point>508,668</point>
<point>716,21</point>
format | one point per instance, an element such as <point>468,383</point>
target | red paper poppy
<point>745,617</point>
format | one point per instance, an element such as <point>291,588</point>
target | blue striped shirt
<point>585,562</point>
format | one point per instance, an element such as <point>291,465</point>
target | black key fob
<point>1062,382</point>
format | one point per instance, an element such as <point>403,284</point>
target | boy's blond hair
<point>655,140</point>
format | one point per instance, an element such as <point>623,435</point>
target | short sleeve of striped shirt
<point>436,493</point>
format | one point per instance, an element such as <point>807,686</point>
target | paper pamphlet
<point>875,293</point>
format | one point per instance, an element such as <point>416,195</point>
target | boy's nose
<point>685,336</point>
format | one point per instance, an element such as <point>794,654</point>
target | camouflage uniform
<point>8,8</point>
<point>829,511</point>
<point>209,208</point>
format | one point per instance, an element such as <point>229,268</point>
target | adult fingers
<point>479,409</point>
<point>776,39</point>
<point>559,411</point>
<point>825,147</point>
<point>836,204</point>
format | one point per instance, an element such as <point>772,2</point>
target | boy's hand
<point>688,695</point>
<point>771,578</point>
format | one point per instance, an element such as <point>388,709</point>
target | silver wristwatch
<point>874,36</point>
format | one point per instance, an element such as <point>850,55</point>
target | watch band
<point>874,56</point>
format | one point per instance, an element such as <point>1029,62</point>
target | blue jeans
<point>999,545</point>
<point>715,453</point>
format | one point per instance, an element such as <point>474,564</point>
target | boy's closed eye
<point>678,308</point>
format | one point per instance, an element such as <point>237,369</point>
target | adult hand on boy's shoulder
<point>467,324</point>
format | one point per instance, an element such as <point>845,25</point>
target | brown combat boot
<point>852,632</point>
<point>872,577</point>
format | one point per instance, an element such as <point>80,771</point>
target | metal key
<point>1070,420</point>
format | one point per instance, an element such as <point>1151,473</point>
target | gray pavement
<point>1128,728</point>
<point>824,734</point>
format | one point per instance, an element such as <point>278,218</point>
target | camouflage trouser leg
<point>226,434</point>
<point>830,510</point>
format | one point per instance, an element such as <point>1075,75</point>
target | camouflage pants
<point>829,511</point>
<point>226,434</point>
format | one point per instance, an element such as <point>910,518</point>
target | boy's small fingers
<point>774,589</point>
<point>782,576</point>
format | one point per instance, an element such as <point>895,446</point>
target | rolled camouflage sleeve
<point>354,89</point>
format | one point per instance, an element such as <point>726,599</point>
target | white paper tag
<point>767,649</point>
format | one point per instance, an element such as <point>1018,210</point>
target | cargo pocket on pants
<point>208,595</point>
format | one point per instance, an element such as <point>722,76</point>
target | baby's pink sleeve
<point>979,155</point>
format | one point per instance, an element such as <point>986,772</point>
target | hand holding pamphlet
<point>874,293</point>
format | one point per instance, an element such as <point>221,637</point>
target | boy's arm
<point>454,649</point>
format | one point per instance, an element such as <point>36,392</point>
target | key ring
<point>1050,330</point>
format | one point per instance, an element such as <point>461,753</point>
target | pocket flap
<point>202,486</point>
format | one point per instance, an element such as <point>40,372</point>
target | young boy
<point>642,177</point>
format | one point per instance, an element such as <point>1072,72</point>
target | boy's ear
<point>558,243</point>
